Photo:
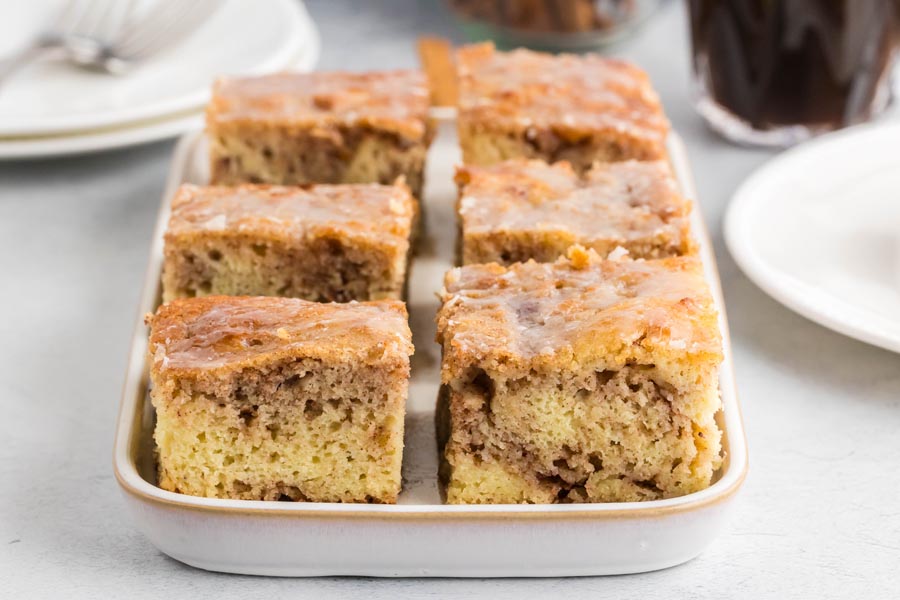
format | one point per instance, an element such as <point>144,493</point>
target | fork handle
<point>37,49</point>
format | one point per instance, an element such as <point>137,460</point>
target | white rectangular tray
<point>419,536</point>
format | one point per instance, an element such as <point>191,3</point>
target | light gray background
<point>818,516</point>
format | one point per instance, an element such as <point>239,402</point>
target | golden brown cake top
<point>622,201</point>
<point>230,333</point>
<point>382,213</point>
<point>571,94</point>
<point>577,311</point>
<point>395,101</point>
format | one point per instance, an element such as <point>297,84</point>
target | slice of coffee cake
<point>584,380</point>
<point>280,399</point>
<point>321,242</point>
<point>579,108</point>
<point>321,127</point>
<point>522,209</point>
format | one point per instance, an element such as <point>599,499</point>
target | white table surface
<point>819,515</point>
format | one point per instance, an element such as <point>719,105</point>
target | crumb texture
<point>523,209</point>
<point>280,399</point>
<point>579,381</point>
<point>321,243</point>
<point>303,431</point>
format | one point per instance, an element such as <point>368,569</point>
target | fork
<point>104,35</point>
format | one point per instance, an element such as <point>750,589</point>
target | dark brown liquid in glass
<point>775,63</point>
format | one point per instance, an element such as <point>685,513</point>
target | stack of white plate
<point>53,109</point>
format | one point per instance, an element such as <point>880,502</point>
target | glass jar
<point>776,72</point>
<point>571,25</point>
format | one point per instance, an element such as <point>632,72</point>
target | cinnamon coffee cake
<point>583,380</point>
<point>280,399</point>
<point>321,242</point>
<point>582,109</point>
<point>321,127</point>
<point>521,209</point>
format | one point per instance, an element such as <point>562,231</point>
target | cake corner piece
<point>320,127</point>
<point>263,398</point>
<point>584,380</point>
<point>579,108</point>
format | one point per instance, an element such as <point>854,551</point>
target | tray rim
<point>125,440</point>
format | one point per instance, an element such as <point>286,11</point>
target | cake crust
<point>394,101</point>
<point>510,320</point>
<point>521,209</point>
<point>215,335</point>
<point>380,213</point>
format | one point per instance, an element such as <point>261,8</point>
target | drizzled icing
<point>567,93</point>
<point>622,202</point>
<point>577,308</point>
<point>395,101</point>
<point>381,212</point>
<point>226,331</point>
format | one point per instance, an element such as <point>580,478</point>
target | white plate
<point>818,229</point>
<point>142,132</point>
<point>46,147</point>
<point>50,98</point>
<point>419,536</point>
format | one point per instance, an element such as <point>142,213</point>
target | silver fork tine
<point>130,10</point>
<point>73,18</point>
<point>166,12</point>
<point>52,39</point>
<point>102,34</point>
<point>66,17</point>
<point>88,19</point>
<point>110,21</point>
<point>197,14</point>
<point>176,19</point>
